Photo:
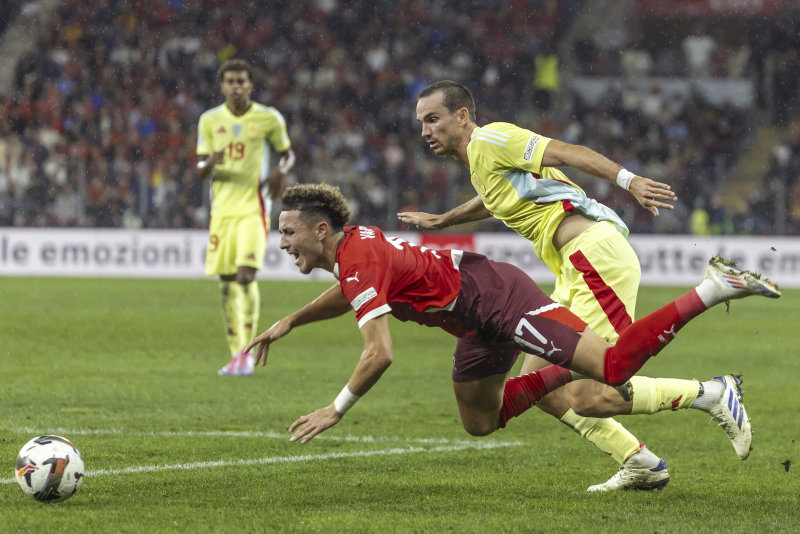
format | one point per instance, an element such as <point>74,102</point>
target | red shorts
<point>507,313</point>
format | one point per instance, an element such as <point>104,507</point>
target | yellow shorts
<point>235,241</point>
<point>599,279</point>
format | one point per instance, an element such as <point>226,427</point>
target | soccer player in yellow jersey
<point>583,242</point>
<point>232,148</point>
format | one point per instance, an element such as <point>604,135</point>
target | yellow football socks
<point>651,395</point>
<point>230,315</point>
<point>248,300</point>
<point>606,434</point>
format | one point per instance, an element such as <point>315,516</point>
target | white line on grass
<point>226,433</point>
<point>485,445</point>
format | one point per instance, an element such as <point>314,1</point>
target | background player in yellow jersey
<point>232,148</point>
<point>584,244</point>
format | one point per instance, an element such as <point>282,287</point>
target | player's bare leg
<point>487,404</point>
<point>479,403</point>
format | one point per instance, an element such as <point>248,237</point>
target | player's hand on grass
<point>266,338</point>
<point>308,426</point>
<point>422,220</point>
<point>650,194</point>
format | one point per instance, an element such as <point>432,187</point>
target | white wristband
<point>345,400</point>
<point>286,163</point>
<point>624,177</point>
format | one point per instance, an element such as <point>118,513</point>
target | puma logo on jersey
<point>671,333</point>
<point>352,278</point>
<point>554,349</point>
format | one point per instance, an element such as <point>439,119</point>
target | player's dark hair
<point>237,65</point>
<point>318,201</point>
<point>454,96</point>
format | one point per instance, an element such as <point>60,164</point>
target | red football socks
<point>647,336</point>
<point>522,392</point>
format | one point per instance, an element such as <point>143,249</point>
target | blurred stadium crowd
<point>99,121</point>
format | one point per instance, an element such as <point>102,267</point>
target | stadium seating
<point>101,117</point>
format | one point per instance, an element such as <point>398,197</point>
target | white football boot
<point>240,365</point>
<point>630,477</point>
<point>729,282</point>
<point>247,363</point>
<point>729,412</point>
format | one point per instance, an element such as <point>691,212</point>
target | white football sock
<point>642,459</point>
<point>708,293</point>
<point>710,390</point>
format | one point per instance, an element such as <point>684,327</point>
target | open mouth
<point>294,255</point>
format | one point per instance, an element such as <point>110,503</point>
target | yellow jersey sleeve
<point>204,135</point>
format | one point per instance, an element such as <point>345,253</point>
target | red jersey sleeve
<point>364,276</point>
<point>377,273</point>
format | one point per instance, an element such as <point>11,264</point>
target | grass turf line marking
<point>289,459</point>
<point>228,433</point>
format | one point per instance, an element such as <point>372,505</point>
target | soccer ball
<point>49,469</point>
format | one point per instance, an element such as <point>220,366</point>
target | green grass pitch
<point>127,370</point>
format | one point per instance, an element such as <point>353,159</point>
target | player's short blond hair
<point>318,201</point>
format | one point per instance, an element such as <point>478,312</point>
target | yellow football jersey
<point>235,185</point>
<point>505,163</point>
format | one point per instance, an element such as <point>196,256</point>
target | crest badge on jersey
<point>529,148</point>
<point>252,131</point>
<point>237,129</point>
<point>479,186</point>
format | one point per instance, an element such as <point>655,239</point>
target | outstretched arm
<point>472,210</point>
<point>375,359</point>
<point>332,303</point>
<point>647,192</point>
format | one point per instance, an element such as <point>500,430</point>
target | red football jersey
<point>380,274</point>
